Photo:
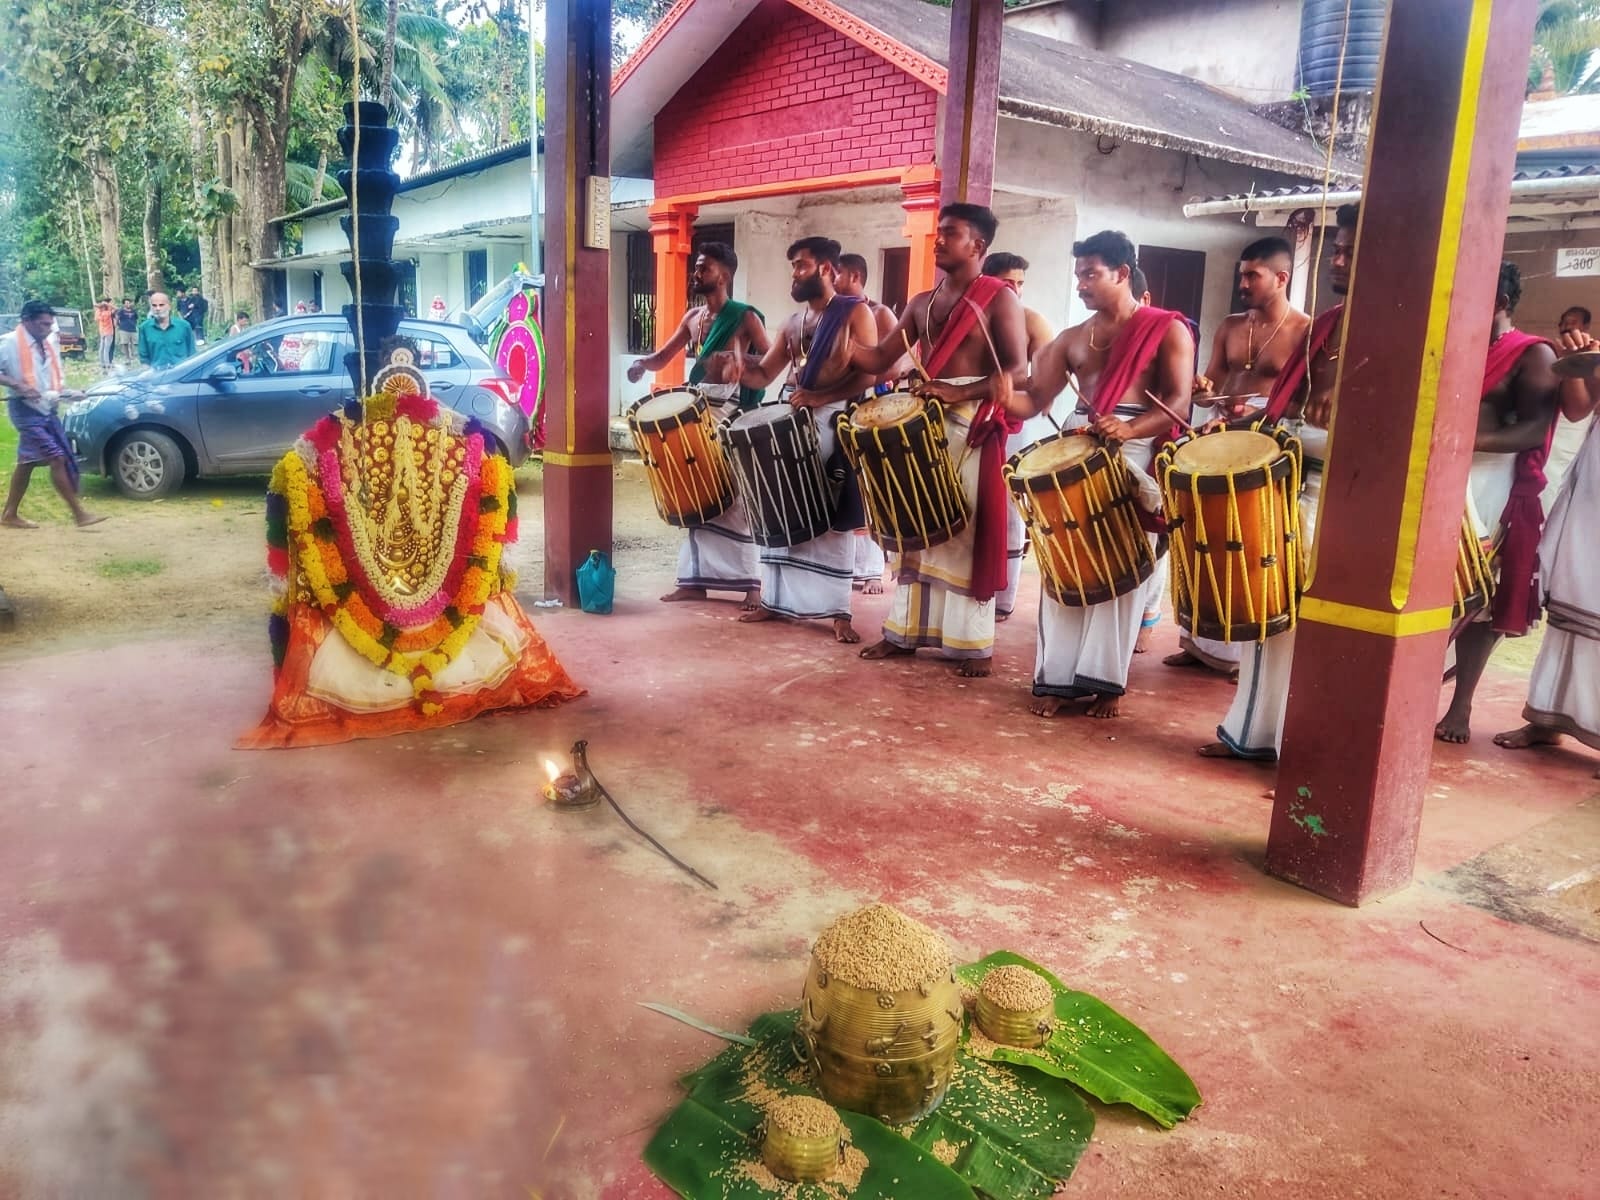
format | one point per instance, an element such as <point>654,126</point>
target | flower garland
<point>324,557</point>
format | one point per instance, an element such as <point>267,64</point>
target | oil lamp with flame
<point>572,790</point>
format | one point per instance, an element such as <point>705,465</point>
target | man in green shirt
<point>164,341</point>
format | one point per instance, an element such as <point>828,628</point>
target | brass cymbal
<point>1582,365</point>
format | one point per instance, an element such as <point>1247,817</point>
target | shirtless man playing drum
<point>1248,352</point>
<point>938,600</point>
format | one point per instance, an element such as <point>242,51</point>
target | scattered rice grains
<point>1017,989</point>
<point>880,949</point>
<point>804,1116</point>
<point>946,1152</point>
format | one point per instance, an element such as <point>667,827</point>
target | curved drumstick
<point>1156,400</point>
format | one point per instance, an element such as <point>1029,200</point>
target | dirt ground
<point>200,557</point>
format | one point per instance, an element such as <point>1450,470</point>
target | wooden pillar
<point>920,187</point>
<point>1371,642</point>
<point>671,233</point>
<point>972,101</point>
<point>577,458</point>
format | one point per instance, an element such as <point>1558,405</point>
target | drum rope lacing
<point>1189,551</point>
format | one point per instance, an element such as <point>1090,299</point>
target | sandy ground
<point>198,558</point>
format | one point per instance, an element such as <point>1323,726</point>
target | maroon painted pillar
<point>1370,647</point>
<point>577,457</point>
<point>971,102</point>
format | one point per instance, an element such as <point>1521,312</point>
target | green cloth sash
<point>722,330</point>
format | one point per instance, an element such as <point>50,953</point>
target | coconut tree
<point>1565,39</point>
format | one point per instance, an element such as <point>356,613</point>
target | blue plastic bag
<point>597,582</point>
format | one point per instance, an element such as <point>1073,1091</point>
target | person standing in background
<point>105,320</point>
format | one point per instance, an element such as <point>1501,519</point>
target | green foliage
<point>1565,40</point>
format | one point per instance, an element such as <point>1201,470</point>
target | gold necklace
<point>1092,345</point>
<point>1250,346</point>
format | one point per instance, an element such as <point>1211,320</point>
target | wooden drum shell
<point>1083,521</point>
<point>1237,557</point>
<point>910,489</point>
<point>684,461</point>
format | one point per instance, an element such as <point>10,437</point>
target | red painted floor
<point>383,969</point>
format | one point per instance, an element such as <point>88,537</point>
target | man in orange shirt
<point>105,319</point>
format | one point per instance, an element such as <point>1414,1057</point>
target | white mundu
<point>1564,691</point>
<point>1086,650</point>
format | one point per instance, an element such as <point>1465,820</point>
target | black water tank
<point>1322,30</point>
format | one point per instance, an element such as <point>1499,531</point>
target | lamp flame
<point>551,769</point>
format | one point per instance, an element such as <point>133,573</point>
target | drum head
<point>666,404</point>
<point>1048,457</point>
<point>767,414</point>
<point>1230,452</point>
<point>883,411</point>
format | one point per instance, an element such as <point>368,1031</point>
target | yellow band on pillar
<point>556,458</point>
<point>1375,620</point>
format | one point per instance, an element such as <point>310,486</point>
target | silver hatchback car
<point>236,406</point>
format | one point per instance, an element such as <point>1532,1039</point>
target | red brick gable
<point>786,98</point>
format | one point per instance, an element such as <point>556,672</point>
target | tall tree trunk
<point>154,277</point>
<point>391,22</point>
<point>210,284</point>
<point>322,176</point>
<point>224,228</point>
<point>108,212</point>
<point>80,235</point>
<point>268,140</point>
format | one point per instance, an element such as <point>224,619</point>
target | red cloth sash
<point>1131,352</point>
<point>1516,598</point>
<point>974,302</point>
<point>1287,386</point>
<point>1135,345</point>
<point>991,425</point>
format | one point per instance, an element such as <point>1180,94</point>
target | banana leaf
<point>1098,1049</point>
<point>1008,1134</point>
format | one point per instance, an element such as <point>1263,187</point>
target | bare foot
<point>684,593</point>
<point>1141,644</point>
<point>1104,707</point>
<point>1000,617</point>
<point>1182,659</point>
<point>1215,750</point>
<point>18,523</point>
<point>89,519</point>
<point>885,650</point>
<point>1047,706</point>
<point>975,668</point>
<point>756,614</point>
<point>1528,735</point>
<point>751,601</point>
<point>872,587</point>
<point>845,632</point>
<point>1455,728</point>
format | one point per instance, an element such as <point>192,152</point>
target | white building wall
<point>1136,189</point>
<point>1246,47</point>
<point>1075,21</point>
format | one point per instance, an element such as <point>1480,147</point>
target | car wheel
<point>147,465</point>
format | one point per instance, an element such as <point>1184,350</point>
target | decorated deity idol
<point>394,610</point>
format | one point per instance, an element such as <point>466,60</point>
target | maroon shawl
<point>1516,599</point>
<point>991,424</point>
<point>1292,378</point>
<point>1135,345</point>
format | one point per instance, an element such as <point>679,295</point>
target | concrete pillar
<point>920,187</point>
<point>1370,647</point>
<point>972,101</point>
<point>671,234</point>
<point>577,459</point>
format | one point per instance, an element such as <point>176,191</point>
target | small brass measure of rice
<point>1016,1007</point>
<point>804,1139</point>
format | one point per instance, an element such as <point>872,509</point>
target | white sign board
<point>1582,260</point>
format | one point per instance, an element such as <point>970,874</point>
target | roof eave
<point>1158,139</point>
